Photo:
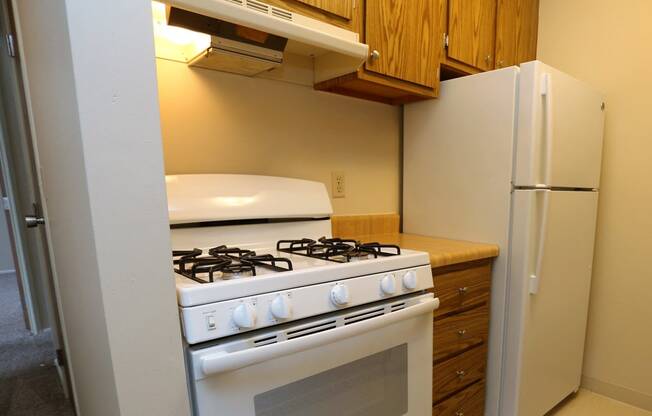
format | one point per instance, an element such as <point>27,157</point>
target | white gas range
<point>281,319</point>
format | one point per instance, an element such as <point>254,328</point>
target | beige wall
<point>222,123</point>
<point>608,44</point>
<point>6,256</point>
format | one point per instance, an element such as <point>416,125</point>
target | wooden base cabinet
<point>460,335</point>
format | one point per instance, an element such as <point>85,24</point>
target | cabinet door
<point>472,32</point>
<point>342,8</point>
<point>403,34</point>
<point>516,32</point>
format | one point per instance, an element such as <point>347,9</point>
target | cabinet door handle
<point>374,55</point>
<point>460,373</point>
<point>459,413</point>
<point>461,332</point>
<point>463,290</point>
<point>487,59</point>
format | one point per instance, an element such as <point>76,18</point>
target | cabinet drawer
<point>468,402</point>
<point>459,289</point>
<point>452,375</point>
<point>456,333</point>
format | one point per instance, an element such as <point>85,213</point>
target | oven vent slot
<point>258,6</point>
<point>313,329</point>
<point>265,341</point>
<point>281,14</point>
<point>368,314</point>
<point>238,2</point>
<point>398,306</point>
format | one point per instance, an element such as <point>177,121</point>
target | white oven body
<point>373,360</point>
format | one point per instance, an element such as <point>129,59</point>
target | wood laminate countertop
<point>443,252</point>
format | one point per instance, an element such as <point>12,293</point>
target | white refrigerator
<point>513,157</point>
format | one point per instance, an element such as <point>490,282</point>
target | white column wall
<point>91,78</point>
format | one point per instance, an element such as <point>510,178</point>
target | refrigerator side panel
<point>553,240</point>
<point>458,154</point>
<point>561,121</point>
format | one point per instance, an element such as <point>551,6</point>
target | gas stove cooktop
<point>227,263</point>
<point>229,272</point>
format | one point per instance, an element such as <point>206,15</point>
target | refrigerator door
<point>457,170</point>
<point>550,277</point>
<point>560,125</point>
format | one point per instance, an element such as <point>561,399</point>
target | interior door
<point>471,32</point>
<point>21,182</point>
<point>402,35</point>
<point>516,32</point>
<point>553,241</point>
<point>560,130</point>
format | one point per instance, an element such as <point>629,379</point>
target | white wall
<point>6,256</point>
<point>94,113</point>
<point>607,44</point>
<point>214,122</point>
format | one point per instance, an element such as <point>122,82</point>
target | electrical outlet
<point>337,181</point>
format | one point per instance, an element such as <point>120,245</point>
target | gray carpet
<point>29,384</point>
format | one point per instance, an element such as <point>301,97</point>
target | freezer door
<point>560,128</point>
<point>550,278</point>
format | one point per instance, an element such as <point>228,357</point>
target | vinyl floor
<point>586,403</point>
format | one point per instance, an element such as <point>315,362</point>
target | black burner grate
<point>224,263</point>
<point>337,249</point>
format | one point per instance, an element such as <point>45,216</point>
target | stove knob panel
<point>410,280</point>
<point>244,316</point>
<point>281,307</point>
<point>340,295</point>
<point>388,284</point>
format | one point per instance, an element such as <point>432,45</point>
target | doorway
<point>33,375</point>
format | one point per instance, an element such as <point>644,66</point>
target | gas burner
<point>225,263</point>
<point>337,249</point>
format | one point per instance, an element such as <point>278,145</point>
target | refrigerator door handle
<point>535,279</point>
<point>546,92</point>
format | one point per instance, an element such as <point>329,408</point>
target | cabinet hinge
<point>445,40</point>
<point>11,48</point>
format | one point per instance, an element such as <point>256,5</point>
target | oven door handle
<point>228,361</point>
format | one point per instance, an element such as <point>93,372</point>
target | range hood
<point>249,37</point>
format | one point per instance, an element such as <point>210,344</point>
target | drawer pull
<point>460,373</point>
<point>462,291</point>
<point>461,332</point>
<point>459,413</point>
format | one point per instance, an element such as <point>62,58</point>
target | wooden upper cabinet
<point>401,35</point>
<point>516,32</point>
<point>471,32</point>
<point>336,12</point>
<point>342,8</point>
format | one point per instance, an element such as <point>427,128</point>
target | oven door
<point>374,360</point>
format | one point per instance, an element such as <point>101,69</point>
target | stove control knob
<point>388,284</point>
<point>410,280</point>
<point>340,295</point>
<point>281,307</point>
<point>244,316</point>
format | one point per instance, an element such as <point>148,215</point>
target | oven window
<point>372,386</point>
